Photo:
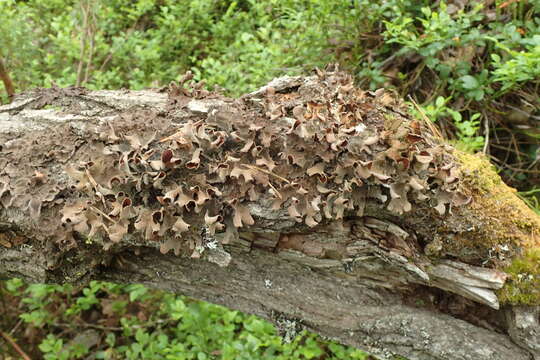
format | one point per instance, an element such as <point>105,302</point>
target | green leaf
<point>469,82</point>
<point>136,291</point>
<point>440,102</point>
<point>12,285</point>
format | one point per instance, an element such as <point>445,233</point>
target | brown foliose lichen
<point>318,151</point>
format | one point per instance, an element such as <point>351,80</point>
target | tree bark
<point>291,204</point>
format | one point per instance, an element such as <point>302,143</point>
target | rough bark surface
<point>401,273</point>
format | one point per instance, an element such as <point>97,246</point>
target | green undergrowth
<point>110,321</point>
<point>237,45</point>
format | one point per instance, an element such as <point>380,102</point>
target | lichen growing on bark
<point>188,175</point>
<point>318,152</point>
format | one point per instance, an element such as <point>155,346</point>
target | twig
<point>502,165</point>
<point>486,142</point>
<point>84,33</point>
<point>529,115</point>
<point>507,3</point>
<point>8,84</point>
<point>102,214</point>
<point>95,186</point>
<point>112,51</point>
<point>278,194</point>
<point>2,298</point>
<point>266,172</point>
<point>505,148</point>
<point>416,74</point>
<point>16,327</point>
<point>92,326</point>
<point>171,137</point>
<point>92,31</point>
<point>114,328</point>
<point>428,122</point>
<point>12,342</point>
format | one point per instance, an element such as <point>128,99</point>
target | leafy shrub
<point>237,45</point>
<point>481,59</point>
<point>133,322</point>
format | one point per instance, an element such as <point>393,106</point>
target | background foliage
<point>473,68</point>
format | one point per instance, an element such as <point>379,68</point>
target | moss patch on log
<point>513,239</point>
<point>523,284</point>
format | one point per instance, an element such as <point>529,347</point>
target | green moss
<point>478,172</point>
<point>517,230</point>
<point>523,284</point>
<point>491,197</point>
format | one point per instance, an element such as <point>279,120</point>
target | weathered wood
<point>390,271</point>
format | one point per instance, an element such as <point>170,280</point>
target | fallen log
<point>308,202</point>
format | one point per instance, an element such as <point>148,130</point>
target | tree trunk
<point>308,202</point>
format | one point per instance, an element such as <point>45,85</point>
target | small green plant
<point>54,348</point>
<point>461,58</point>
<point>434,111</point>
<point>520,67</point>
<point>438,31</point>
<point>467,138</point>
<point>467,130</point>
<point>135,322</point>
<point>237,45</point>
